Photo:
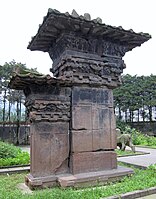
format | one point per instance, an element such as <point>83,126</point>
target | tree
<point>10,97</point>
<point>137,94</point>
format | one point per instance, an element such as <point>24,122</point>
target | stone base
<point>78,180</point>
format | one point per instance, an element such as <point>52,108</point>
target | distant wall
<point>11,133</point>
<point>145,127</point>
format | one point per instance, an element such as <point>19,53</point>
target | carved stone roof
<point>20,82</point>
<point>56,23</point>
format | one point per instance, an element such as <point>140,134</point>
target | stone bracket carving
<point>42,110</point>
<point>105,71</point>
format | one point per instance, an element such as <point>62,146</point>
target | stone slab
<point>92,161</point>
<point>82,141</point>
<point>24,189</point>
<point>40,182</point>
<point>77,180</point>
<point>49,149</point>
<point>94,178</point>
<point>81,117</point>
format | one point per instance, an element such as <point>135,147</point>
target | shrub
<point>21,159</point>
<point>8,150</point>
<point>138,138</point>
<point>12,155</point>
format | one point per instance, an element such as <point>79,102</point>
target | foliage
<point>152,167</point>
<point>10,97</point>
<point>12,101</point>
<point>138,93</point>
<point>8,150</point>
<point>121,153</point>
<point>138,138</point>
<point>12,155</point>
<point>142,179</point>
<point>21,159</point>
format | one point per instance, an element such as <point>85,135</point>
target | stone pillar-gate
<point>73,134</point>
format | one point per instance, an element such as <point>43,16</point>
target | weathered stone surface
<point>49,148</point>
<point>94,178</point>
<point>93,161</point>
<point>88,95</point>
<point>82,141</point>
<point>92,120</point>
<point>101,140</point>
<point>78,180</point>
<point>82,119</point>
<point>74,13</point>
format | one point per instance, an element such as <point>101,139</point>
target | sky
<point>20,19</point>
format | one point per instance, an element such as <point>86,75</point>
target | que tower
<point>72,122</point>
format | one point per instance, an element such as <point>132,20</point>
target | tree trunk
<point>9,117</point>
<point>150,113</point>
<point>126,115</point>
<point>138,115</point>
<point>18,119</point>
<point>4,109</point>
<point>120,117</point>
<point>132,116</point>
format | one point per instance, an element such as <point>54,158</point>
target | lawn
<point>127,153</point>
<point>142,179</point>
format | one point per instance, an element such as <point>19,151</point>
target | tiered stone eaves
<point>56,23</point>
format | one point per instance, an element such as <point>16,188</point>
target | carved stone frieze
<point>47,110</point>
<point>87,45</point>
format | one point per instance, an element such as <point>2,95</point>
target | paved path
<point>141,160</point>
<point>153,196</point>
<point>25,148</point>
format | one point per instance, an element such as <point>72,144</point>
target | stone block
<point>51,127</point>
<point>92,161</point>
<point>81,117</point>
<point>88,95</point>
<point>101,140</point>
<point>50,150</point>
<point>81,141</point>
<point>100,117</point>
<point>81,95</point>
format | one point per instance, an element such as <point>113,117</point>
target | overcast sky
<point>20,19</point>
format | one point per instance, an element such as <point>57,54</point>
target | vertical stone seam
<point>92,123</point>
<point>70,130</point>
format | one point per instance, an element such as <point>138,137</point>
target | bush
<point>8,150</point>
<point>21,159</point>
<point>138,138</point>
<point>12,155</point>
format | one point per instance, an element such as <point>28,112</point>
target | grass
<point>142,179</point>
<point>127,153</point>
<point>147,146</point>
